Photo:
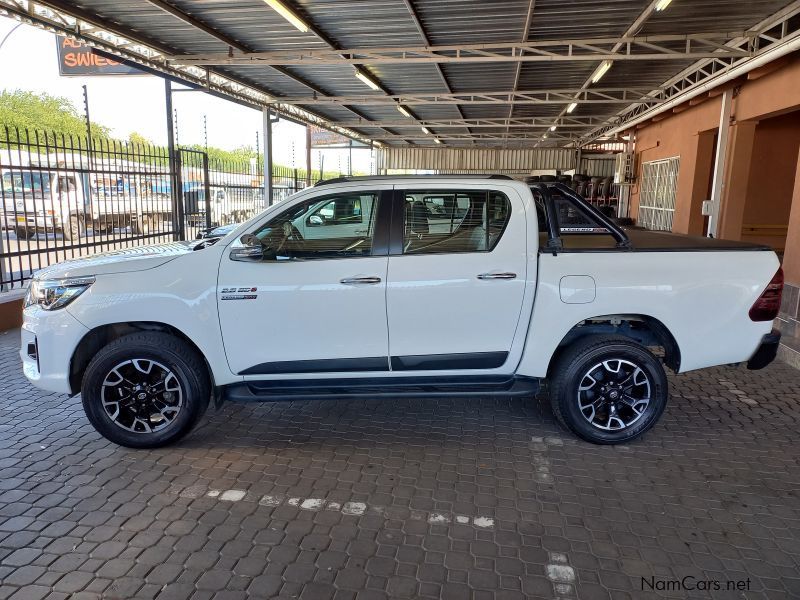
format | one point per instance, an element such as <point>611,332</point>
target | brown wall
<point>762,170</point>
<point>11,314</point>
<point>772,178</point>
<point>689,135</point>
<point>791,259</point>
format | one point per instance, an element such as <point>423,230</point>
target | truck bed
<point>643,240</point>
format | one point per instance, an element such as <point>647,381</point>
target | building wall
<point>686,135</point>
<point>761,172</point>
<point>771,182</point>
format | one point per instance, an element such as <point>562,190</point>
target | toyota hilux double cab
<point>397,286</point>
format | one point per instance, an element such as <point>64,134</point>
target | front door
<point>457,280</point>
<point>302,304</point>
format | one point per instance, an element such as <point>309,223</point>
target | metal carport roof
<point>466,73</point>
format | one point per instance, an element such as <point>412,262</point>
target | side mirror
<point>252,251</point>
<point>248,239</point>
<point>315,221</point>
<point>248,254</point>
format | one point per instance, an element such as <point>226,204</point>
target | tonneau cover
<point>643,240</point>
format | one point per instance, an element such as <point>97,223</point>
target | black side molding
<point>766,352</point>
<point>443,362</point>
<point>381,387</point>
<point>326,365</point>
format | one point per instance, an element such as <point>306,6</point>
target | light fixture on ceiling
<point>662,5</point>
<point>544,137</point>
<point>364,78</point>
<point>288,14</point>
<point>437,140</point>
<point>402,110</point>
<point>426,130</point>
<point>552,128</point>
<point>601,70</point>
<point>572,107</point>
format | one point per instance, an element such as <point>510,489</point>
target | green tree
<point>49,115</point>
<point>137,138</point>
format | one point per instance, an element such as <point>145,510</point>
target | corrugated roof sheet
<point>252,24</point>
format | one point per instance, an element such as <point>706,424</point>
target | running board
<point>381,387</point>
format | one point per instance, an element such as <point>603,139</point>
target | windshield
<point>25,182</point>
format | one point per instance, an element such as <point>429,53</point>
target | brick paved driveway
<point>405,499</point>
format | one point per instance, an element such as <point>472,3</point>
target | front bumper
<point>48,341</point>
<point>766,352</point>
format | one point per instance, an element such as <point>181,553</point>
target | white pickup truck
<point>388,286</point>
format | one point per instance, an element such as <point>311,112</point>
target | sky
<point>137,103</point>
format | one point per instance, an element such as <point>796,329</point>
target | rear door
<point>457,278</point>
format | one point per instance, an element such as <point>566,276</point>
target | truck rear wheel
<point>145,390</point>
<point>608,389</point>
<point>142,226</point>
<point>25,233</point>
<point>74,228</point>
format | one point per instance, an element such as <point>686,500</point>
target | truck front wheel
<point>145,390</point>
<point>608,389</point>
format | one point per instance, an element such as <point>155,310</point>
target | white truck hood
<point>128,260</point>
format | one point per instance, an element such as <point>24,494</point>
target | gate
<point>194,214</point>
<point>657,198</point>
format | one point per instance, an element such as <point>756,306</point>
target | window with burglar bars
<point>657,194</point>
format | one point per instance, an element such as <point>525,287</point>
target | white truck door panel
<point>456,310</point>
<point>305,315</point>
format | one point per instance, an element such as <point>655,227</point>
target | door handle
<point>497,276</point>
<point>360,280</point>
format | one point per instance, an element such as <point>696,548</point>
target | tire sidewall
<point>575,372</point>
<point>191,387</point>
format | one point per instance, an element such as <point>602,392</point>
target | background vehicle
<point>68,202</point>
<point>350,288</point>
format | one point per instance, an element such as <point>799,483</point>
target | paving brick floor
<point>466,499</point>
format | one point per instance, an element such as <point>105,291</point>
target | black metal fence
<point>63,197</point>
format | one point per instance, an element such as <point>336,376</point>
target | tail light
<point>768,305</point>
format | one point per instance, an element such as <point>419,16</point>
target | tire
<point>142,359</point>
<point>74,228</point>
<point>24,233</point>
<point>142,226</point>
<point>619,413</point>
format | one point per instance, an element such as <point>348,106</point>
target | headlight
<point>52,294</point>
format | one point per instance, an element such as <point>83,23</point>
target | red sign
<point>76,58</point>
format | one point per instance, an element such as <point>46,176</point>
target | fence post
<point>174,166</point>
<point>295,180</point>
<point>207,191</point>
<point>180,230</point>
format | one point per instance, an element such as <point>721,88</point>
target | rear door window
<point>452,221</point>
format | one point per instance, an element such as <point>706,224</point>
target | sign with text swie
<point>76,58</point>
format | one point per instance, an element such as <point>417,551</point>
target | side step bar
<point>381,387</point>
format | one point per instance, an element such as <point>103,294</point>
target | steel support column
<point>266,124</point>
<point>719,162</point>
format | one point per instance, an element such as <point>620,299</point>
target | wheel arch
<point>644,329</point>
<point>102,335</point>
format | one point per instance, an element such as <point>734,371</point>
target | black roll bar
<point>554,230</point>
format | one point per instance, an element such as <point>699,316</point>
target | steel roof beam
<point>779,28</point>
<point>234,44</point>
<point>636,48</point>
<point>424,35</point>
<point>72,21</point>
<point>525,33</point>
<point>541,123</point>
<point>555,96</point>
